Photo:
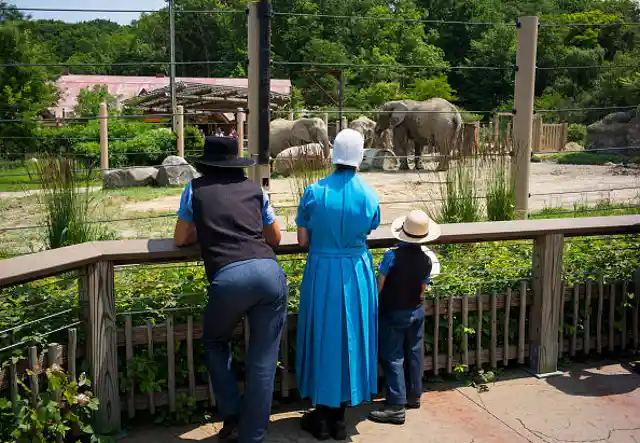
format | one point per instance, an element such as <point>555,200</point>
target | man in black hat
<point>231,219</point>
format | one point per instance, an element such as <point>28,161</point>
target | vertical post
<point>180,130</point>
<point>547,296</point>
<point>172,63</point>
<point>344,123</point>
<point>340,97</point>
<point>240,131</point>
<point>104,137</point>
<point>259,90</point>
<point>325,118</point>
<point>523,119</point>
<point>102,350</point>
<point>565,135</point>
<point>291,116</point>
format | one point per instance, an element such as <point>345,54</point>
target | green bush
<point>193,141</point>
<point>577,133</point>
<point>130,143</point>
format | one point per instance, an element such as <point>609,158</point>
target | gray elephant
<point>366,127</point>
<point>433,122</point>
<point>287,133</point>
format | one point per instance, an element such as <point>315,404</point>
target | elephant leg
<point>401,146</point>
<point>418,156</point>
<point>443,162</point>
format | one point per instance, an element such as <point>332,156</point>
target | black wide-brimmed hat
<point>221,152</point>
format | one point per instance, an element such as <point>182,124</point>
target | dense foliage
<point>372,52</point>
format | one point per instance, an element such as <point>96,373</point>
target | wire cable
<point>390,19</point>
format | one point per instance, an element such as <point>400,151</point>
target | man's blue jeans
<point>400,350</point>
<point>256,289</point>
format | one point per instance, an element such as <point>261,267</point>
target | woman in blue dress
<point>336,363</point>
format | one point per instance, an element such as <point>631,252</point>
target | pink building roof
<point>126,87</point>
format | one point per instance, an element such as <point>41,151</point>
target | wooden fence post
<point>565,135</point>
<point>104,137</point>
<point>291,116</point>
<point>102,351</point>
<point>240,131</point>
<point>325,117</point>
<point>344,124</point>
<point>180,131</point>
<point>545,312</point>
<point>523,103</point>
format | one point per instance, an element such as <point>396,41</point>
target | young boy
<point>403,276</point>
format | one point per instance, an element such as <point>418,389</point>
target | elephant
<point>284,134</point>
<point>366,127</point>
<point>431,122</point>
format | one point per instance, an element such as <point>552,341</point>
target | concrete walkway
<point>589,404</point>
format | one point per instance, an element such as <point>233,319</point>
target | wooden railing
<point>536,340</point>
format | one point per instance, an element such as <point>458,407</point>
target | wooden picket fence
<point>595,309</point>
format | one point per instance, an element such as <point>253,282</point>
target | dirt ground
<point>153,209</point>
<point>551,185</point>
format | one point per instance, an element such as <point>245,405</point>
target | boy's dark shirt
<point>402,288</point>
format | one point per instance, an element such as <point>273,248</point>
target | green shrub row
<point>130,144</point>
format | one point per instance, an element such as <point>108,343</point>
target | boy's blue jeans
<point>400,339</point>
<point>256,289</point>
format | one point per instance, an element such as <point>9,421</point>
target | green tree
<point>89,100</point>
<point>25,91</point>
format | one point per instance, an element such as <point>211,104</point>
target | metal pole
<point>259,89</point>
<point>340,98</point>
<point>180,131</point>
<point>172,64</point>
<point>523,119</point>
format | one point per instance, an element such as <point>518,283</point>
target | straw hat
<point>416,227</point>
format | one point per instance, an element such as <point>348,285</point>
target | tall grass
<point>500,192</point>
<point>67,203</point>
<point>304,171</point>
<point>459,196</point>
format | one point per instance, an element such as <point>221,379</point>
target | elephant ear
<point>398,113</point>
<point>301,130</point>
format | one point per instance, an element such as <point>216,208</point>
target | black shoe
<point>338,430</point>
<point>413,403</point>
<point>315,423</point>
<point>394,414</point>
<point>229,431</point>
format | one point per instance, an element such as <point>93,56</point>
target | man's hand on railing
<point>185,233</point>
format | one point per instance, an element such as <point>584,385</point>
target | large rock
<point>379,160</point>
<point>123,178</point>
<point>309,156</point>
<point>175,171</point>
<point>620,129</point>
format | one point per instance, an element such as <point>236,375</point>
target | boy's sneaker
<point>413,403</point>
<point>392,414</point>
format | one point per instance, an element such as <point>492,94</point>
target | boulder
<point>379,160</point>
<point>620,129</point>
<point>573,147</point>
<point>309,156</point>
<point>123,178</point>
<point>175,171</point>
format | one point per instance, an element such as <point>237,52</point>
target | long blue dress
<point>337,350</point>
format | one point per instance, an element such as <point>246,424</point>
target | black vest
<point>402,287</point>
<point>227,211</point>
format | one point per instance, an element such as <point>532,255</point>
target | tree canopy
<point>414,49</point>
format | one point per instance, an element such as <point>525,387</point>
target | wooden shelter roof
<point>201,98</point>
